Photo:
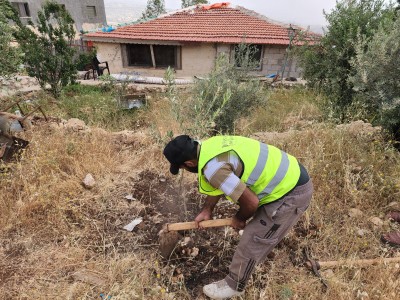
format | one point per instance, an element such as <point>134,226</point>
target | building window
<point>250,53</point>
<point>91,12</point>
<point>22,9</point>
<point>156,56</point>
<point>139,55</point>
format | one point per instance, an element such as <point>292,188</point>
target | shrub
<point>187,3</point>
<point>153,9</point>
<point>227,94</point>
<point>327,65</point>
<point>376,79</point>
<point>83,59</point>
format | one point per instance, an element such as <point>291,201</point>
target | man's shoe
<point>220,290</point>
<point>392,238</point>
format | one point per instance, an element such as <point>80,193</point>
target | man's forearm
<point>248,203</point>
<point>210,203</point>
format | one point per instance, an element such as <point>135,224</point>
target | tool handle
<point>205,224</point>
<point>358,262</point>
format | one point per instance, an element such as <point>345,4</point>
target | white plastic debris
<point>130,197</point>
<point>133,224</point>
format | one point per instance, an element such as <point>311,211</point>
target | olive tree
<point>327,63</point>
<point>376,80</point>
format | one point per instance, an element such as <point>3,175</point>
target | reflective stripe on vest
<point>267,171</point>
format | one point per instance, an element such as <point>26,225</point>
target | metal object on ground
<point>132,101</point>
<point>11,124</point>
<point>169,236</point>
<point>314,266</point>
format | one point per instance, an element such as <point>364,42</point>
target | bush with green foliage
<point>218,101</point>
<point>153,9</point>
<point>187,3</point>
<point>10,57</point>
<point>376,80</point>
<point>83,59</point>
<point>48,56</point>
<point>327,64</point>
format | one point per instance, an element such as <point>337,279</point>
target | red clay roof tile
<point>217,25</point>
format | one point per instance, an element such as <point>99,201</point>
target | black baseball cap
<point>180,149</point>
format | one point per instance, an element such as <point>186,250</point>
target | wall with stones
<point>274,59</point>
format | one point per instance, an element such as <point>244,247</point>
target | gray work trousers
<point>268,227</point>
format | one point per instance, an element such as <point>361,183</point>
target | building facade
<point>87,14</point>
<point>191,39</point>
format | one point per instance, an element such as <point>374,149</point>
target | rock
<point>376,221</point>
<point>362,295</point>
<point>89,277</point>
<point>360,128</point>
<point>75,124</point>
<point>187,241</point>
<point>194,252</point>
<point>89,182</point>
<point>361,232</point>
<point>355,212</point>
<point>328,273</point>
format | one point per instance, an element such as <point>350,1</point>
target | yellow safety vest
<point>269,172</point>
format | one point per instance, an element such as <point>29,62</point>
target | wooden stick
<point>357,262</point>
<point>192,225</point>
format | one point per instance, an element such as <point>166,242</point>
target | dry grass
<point>57,239</point>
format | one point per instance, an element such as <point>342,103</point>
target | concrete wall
<point>273,60</point>
<point>112,54</point>
<point>198,59</point>
<point>77,9</point>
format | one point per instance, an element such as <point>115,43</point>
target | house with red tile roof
<point>189,40</point>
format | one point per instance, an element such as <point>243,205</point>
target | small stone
<point>75,124</point>
<point>362,295</point>
<point>376,221</point>
<point>355,212</point>
<point>187,241</point>
<point>361,232</point>
<point>194,252</point>
<point>89,182</point>
<point>328,273</point>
